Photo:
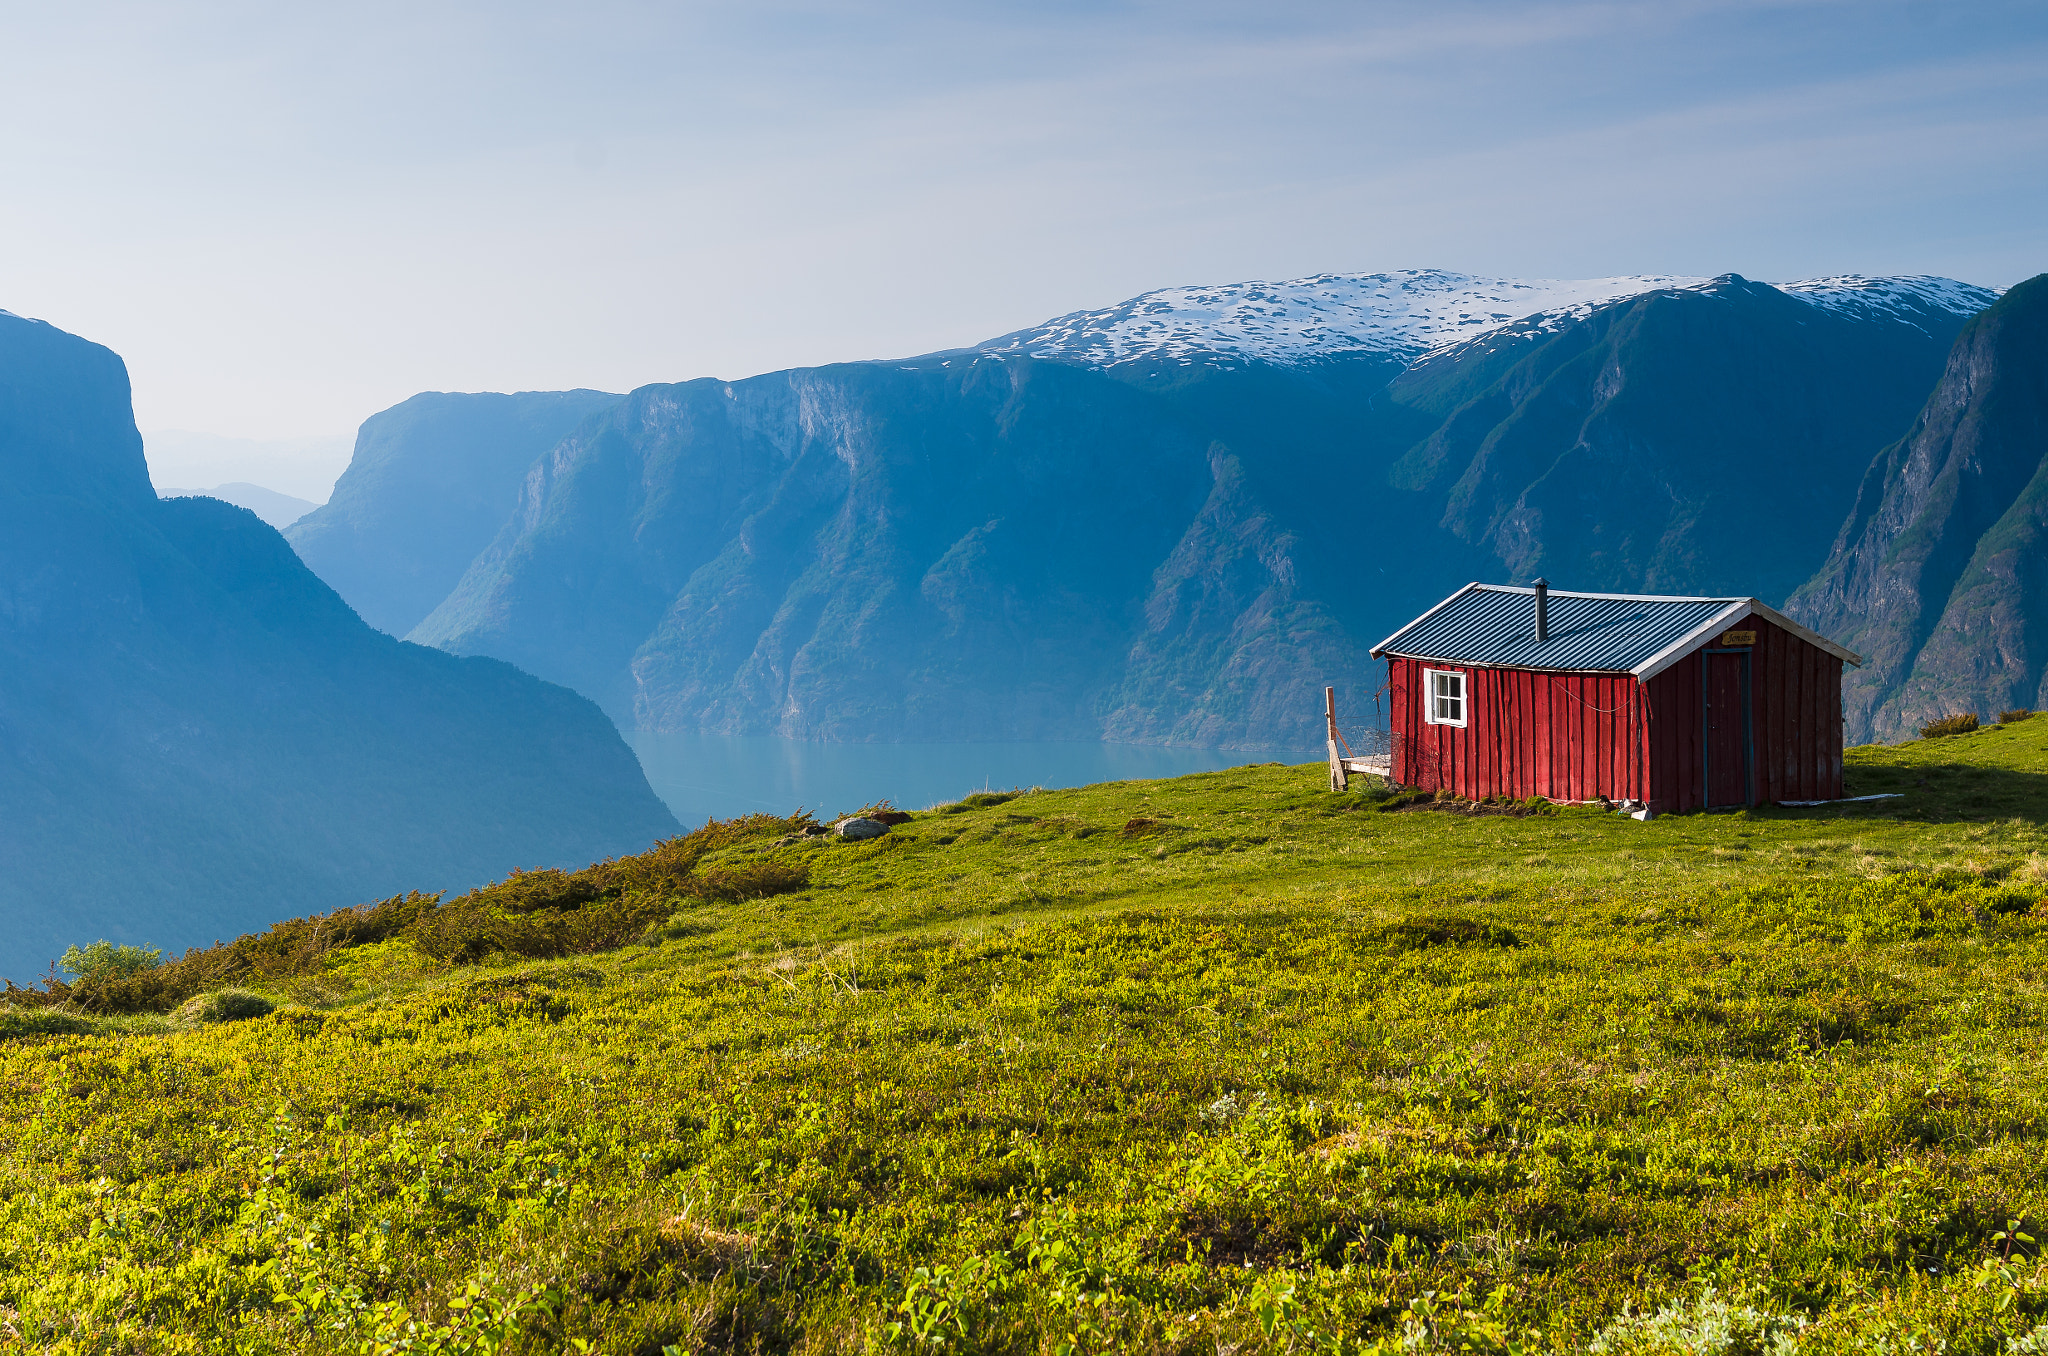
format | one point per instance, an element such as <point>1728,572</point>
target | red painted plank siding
<point>1566,736</point>
<point>1579,736</point>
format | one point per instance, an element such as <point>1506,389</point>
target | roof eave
<point>1489,664</point>
<point>1380,649</point>
<point>1698,636</point>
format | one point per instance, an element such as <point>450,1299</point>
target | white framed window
<point>1443,696</point>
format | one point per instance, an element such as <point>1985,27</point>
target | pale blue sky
<point>286,218</point>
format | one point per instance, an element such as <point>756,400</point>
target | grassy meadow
<point>1220,1064</point>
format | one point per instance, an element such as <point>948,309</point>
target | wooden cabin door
<point>1725,689</point>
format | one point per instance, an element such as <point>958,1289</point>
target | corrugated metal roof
<point>1495,625</point>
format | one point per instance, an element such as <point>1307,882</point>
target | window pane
<point>1447,698</point>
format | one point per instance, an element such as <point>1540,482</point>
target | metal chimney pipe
<point>1542,610</point>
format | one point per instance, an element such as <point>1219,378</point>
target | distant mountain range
<point>197,737</point>
<point>1402,316</point>
<point>303,468</point>
<point>1172,520</point>
<point>279,510</point>
<point>1169,521</point>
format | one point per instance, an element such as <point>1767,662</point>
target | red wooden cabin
<point>1673,703</point>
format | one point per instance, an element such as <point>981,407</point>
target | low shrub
<point>476,925</point>
<point>222,1005</point>
<point>297,946</point>
<point>539,914</point>
<point>103,962</point>
<point>980,800</point>
<point>1707,1324</point>
<point>751,882</point>
<point>2013,717</point>
<point>1416,934</point>
<point>41,1021</point>
<point>1949,725</point>
<point>883,812</point>
<point>529,913</point>
<point>1908,906</point>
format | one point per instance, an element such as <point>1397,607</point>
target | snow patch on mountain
<point>1403,315</point>
<point>1891,298</point>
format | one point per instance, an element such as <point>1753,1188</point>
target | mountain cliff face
<point>957,548</point>
<point>1704,439</point>
<point>198,737</point>
<point>431,480</point>
<point>1939,576</point>
<point>1169,525</point>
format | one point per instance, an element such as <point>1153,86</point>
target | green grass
<point>1276,1071</point>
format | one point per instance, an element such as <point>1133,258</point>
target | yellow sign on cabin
<point>1738,637</point>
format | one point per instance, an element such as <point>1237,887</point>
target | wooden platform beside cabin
<point>1343,769</point>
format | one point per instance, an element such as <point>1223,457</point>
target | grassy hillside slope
<point>1224,1063</point>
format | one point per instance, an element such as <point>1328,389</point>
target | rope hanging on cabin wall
<point>1599,711</point>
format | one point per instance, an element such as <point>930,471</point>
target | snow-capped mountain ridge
<point>1403,315</point>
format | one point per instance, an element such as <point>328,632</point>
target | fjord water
<point>703,776</point>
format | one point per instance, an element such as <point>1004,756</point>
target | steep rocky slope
<point>956,548</point>
<point>1140,537</point>
<point>1696,439</point>
<point>430,482</point>
<point>963,547</point>
<point>197,736</point>
<point>1939,576</point>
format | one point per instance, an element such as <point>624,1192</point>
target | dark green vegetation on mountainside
<point>197,736</point>
<point>972,546</point>
<point>1219,1063</point>
<point>430,482</point>
<point>1699,441</point>
<point>1940,574</point>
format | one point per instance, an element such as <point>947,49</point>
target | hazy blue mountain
<point>956,548</point>
<point>304,468</point>
<point>1175,520</point>
<point>279,510</point>
<point>431,480</point>
<point>1939,575</point>
<point>198,737</point>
